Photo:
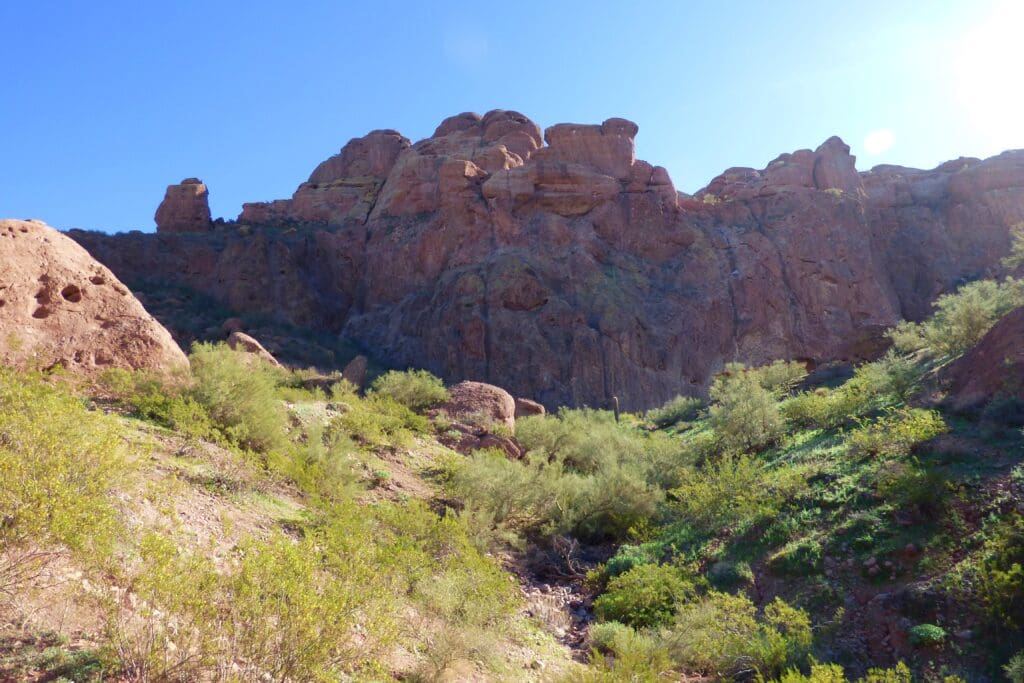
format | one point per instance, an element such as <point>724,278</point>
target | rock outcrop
<point>242,342</point>
<point>58,305</point>
<point>560,267</point>
<point>993,368</point>
<point>185,208</point>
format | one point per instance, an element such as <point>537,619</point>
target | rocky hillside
<point>563,268</point>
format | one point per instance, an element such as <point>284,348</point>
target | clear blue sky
<point>104,103</point>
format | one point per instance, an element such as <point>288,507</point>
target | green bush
<point>1015,259</point>
<point>164,401</point>
<point>728,576</point>
<point>961,319</point>
<point>644,596</point>
<point>833,673</point>
<point>744,413</point>
<point>629,556</point>
<point>1001,572</point>
<point>896,434</point>
<point>638,657</point>
<point>59,463</point>
<point>926,635</point>
<point>545,497</point>
<point>798,558</point>
<point>909,485</point>
<point>679,409</point>
<point>1014,669</point>
<point>240,396</point>
<point>417,390</point>
<point>734,492</point>
<point>379,421</point>
<point>722,636</point>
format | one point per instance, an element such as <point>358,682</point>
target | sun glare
<point>988,70</point>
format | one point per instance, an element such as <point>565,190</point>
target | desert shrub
<point>584,440</point>
<point>820,673</point>
<point>644,596</point>
<point>379,422</point>
<point>727,576</point>
<point>896,434</point>
<point>911,485</point>
<point>893,375</point>
<point>629,556</point>
<point>722,635</point>
<point>733,492</point>
<point>679,409</point>
<point>803,557</point>
<point>778,377</point>
<point>59,463</point>
<point>1001,572</point>
<point>417,390</point>
<point>240,396</point>
<point>300,611</point>
<point>908,336</point>
<point>963,317</point>
<point>833,673</point>
<point>925,635</point>
<point>622,654</point>
<point>744,414</point>
<point>162,400</point>
<point>1014,669</point>
<point>322,462</point>
<point>1015,259</point>
<point>545,497</point>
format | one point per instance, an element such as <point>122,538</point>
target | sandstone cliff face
<point>58,305</point>
<point>561,268</point>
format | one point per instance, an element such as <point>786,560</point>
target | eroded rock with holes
<point>58,305</point>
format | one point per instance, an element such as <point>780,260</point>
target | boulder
<point>185,208</point>
<point>993,368</point>
<point>525,407</point>
<point>240,341</point>
<point>355,371</point>
<point>58,305</point>
<point>476,401</point>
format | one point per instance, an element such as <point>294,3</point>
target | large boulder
<point>58,305</point>
<point>244,343</point>
<point>993,368</point>
<point>476,401</point>
<point>185,208</point>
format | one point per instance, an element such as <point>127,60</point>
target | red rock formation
<point>477,402</point>
<point>58,305</point>
<point>994,367</point>
<point>572,271</point>
<point>240,341</point>
<point>185,208</point>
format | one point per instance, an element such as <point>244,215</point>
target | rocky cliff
<point>561,267</point>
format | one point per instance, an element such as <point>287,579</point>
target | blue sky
<point>105,103</point>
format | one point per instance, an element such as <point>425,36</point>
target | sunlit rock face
<point>562,268</point>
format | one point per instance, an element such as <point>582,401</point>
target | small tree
<point>1016,256</point>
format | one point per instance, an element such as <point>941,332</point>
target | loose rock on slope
<point>58,305</point>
